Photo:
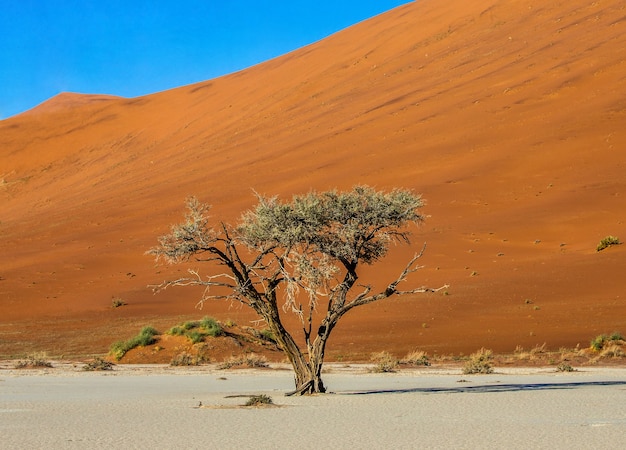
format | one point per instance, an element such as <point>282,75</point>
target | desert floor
<point>138,406</point>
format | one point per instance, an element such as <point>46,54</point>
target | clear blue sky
<point>137,47</point>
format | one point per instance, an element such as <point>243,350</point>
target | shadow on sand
<point>487,388</point>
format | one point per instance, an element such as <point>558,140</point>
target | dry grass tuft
<point>385,362</point>
<point>479,362</point>
<point>34,361</point>
<point>416,358</point>
<point>249,360</point>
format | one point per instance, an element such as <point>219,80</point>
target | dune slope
<point>508,116</point>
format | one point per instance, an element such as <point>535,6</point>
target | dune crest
<point>508,116</point>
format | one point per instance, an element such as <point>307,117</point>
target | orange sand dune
<point>508,116</point>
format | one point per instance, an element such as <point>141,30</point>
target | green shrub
<point>616,336</point>
<point>607,242</point>
<point>195,336</point>
<point>479,362</point>
<point>190,325</point>
<point>211,326</point>
<point>145,337</point>
<point>196,331</point>
<point>598,342</point>
<point>268,335</point>
<point>176,331</point>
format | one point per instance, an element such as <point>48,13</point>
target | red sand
<point>508,116</point>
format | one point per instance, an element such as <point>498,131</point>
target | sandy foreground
<point>163,407</point>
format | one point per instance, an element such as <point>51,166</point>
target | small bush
<point>176,331</point>
<point>259,400</point>
<point>616,336</point>
<point>190,325</point>
<point>195,336</point>
<point>196,331</point>
<point>598,342</point>
<point>268,335</point>
<point>612,351</point>
<point>98,364</point>
<point>36,360</point>
<point>250,360</point>
<point>144,338</point>
<point>607,242</point>
<point>116,302</point>
<point>479,362</point>
<point>564,367</point>
<point>211,326</point>
<point>187,359</point>
<point>385,362</point>
<point>416,358</point>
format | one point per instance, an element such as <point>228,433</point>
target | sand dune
<point>508,116</point>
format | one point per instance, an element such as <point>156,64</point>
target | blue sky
<point>137,47</point>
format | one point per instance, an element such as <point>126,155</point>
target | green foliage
<point>607,242</point>
<point>211,326</point>
<point>195,336</point>
<point>145,337</point>
<point>600,341</point>
<point>355,226</point>
<point>616,336</point>
<point>196,331</point>
<point>190,325</point>
<point>176,331</point>
<point>479,362</point>
<point>268,335</point>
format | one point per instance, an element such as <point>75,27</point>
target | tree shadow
<point>489,388</point>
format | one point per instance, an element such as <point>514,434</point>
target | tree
<point>298,257</point>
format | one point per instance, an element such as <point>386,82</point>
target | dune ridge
<point>508,116</point>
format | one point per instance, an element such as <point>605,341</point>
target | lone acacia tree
<point>298,257</point>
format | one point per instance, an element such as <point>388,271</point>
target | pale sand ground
<point>157,407</point>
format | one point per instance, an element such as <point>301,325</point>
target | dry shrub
<point>521,354</point>
<point>98,364</point>
<point>250,360</point>
<point>34,361</point>
<point>259,400</point>
<point>479,362</point>
<point>539,349</point>
<point>384,362</point>
<point>564,367</point>
<point>416,358</point>
<point>612,351</point>
<point>187,359</point>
